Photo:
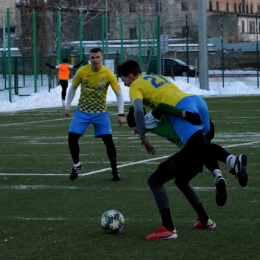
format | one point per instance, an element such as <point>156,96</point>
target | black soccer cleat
<point>116,176</point>
<point>75,171</point>
<point>221,192</point>
<point>239,169</point>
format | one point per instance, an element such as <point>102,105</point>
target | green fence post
<point>121,40</point>
<point>158,49</point>
<point>187,45</point>
<point>58,41</point>
<point>257,57</point>
<point>103,36</point>
<point>34,52</point>
<point>9,56</point>
<point>222,48</point>
<point>80,36</point>
<point>15,64</point>
<point>58,38</point>
<point>140,43</point>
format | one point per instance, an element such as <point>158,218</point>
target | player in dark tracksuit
<point>63,76</point>
<point>176,167</point>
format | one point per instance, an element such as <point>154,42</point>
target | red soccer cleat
<point>163,233</point>
<point>210,224</point>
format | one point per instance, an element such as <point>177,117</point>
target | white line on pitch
<point>108,169</point>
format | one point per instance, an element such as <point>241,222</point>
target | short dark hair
<point>131,117</point>
<point>95,50</point>
<point>65,60</point>
<point>128,67</point>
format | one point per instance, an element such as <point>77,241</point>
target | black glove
<point>193,118</point>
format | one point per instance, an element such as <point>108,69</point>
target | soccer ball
<point>112,221</point>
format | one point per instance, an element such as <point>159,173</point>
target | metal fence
<point>23,70</point>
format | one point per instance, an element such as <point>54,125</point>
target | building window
<point>251,9</point>
<point>227,7</point>
<point>247,11</point>
<point>240,8</point>
<point>210,5</point>
<point>184,6</point>
<point>243,27</point>
<point>235,7</point>
<point>133,34</point>
<point>258,9</point>
<point>217,6</point>
<point>158,6</point>
<point>251,27</point>
<point>131,7</point>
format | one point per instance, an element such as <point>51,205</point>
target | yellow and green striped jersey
<point>94,86</point>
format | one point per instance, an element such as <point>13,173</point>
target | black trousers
<point>64,86</point>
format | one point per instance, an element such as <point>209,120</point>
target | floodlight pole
<point>203,47</point>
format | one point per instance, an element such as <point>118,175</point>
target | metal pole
<point>159,39</point>
<point>58,37</point>
<point>222,49</point>
<point>81,36</point>
<point>4,44</point>
<point>4,26</point>
<point>121,40</point>
<point>34,51</point>
<point>9,56</point>
<point>187,46</point>
<point>103,34</point>
<point>203,47</point>
<point>106,33</point>
<point>140,42</point>
<point>257,57</point>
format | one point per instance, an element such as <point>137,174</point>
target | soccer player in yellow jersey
<point>151,90</point>
<point>94,79</point>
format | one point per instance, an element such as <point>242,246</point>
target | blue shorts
<point>184,128</point>
<point>81,121</point>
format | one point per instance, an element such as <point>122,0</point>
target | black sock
<point>167,219</point>
<point>202,215</point>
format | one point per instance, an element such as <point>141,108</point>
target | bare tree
<point>25,43</point>
<point>69,19</point>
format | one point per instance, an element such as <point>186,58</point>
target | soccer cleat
<point>239,169</point>
<point>210,224</point>
<point>116,176</point>
<point>221,192</point>
<point>75,171</point>
<point>163,233</point>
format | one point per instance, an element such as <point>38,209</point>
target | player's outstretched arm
<point>163,108</point>
<point>77,65</point>
<point>50,66</point>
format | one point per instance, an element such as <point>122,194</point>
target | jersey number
<point>153,80</point>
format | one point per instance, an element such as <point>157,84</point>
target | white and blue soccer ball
<point>112,221</point>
